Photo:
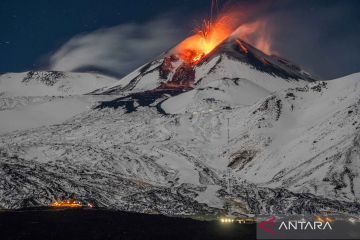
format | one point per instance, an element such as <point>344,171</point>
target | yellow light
<point>227,220</point>
<point>66,204</point>
<point>329,219</point>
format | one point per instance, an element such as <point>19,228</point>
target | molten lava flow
<point>210,35</point>
<point>66,204</point>
<point>242,47</point>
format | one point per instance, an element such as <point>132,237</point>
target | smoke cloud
<point>116,50</point>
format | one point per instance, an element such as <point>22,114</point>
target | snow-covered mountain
<point>37,98</point>
<point>169,136</point>
<point>51,83</point>
<point>234,58</point>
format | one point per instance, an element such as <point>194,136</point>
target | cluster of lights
<point>226,220</point>
<point>69,204</point>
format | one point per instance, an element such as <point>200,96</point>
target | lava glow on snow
<point>212,32</point>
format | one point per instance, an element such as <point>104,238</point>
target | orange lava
<point>242,47</point>
<point>66,204</point>
<point>206,38</point>
<point>210,35</point>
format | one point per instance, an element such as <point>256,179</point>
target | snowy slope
<point>41,83</point>
<point>18,113</point>
<point>216,94</point>
<point>283,159</point>
<point>303,139</point>
<point>34,99</point>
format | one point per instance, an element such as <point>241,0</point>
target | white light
<point>352,220</point>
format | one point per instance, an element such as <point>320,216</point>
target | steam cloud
<point>116,50</point>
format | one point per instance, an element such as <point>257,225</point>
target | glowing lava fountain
<point>210,35</point>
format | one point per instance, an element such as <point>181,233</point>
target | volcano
<point>234,131</point>
<point>233,57</point>
<point>232,61</point>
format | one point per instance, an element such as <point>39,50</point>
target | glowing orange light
<point>210,35</point>
<point>66,204</point>
<point>242,47</point>
<point>319,219</point>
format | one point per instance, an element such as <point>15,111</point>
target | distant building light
<point>352,220</point>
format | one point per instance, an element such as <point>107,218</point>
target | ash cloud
<point>116,50</point>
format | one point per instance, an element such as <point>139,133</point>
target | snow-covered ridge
<point>51,83</point>
<point>40,98</point>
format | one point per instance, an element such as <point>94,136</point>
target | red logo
<point>268,223</point>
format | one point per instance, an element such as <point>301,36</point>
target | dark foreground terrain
<point>104,224</point>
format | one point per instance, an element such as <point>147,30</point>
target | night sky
<point>322,36</point>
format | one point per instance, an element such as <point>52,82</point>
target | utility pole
<point>228,167</point>
<point>228,130</point>
<point>228,180</point>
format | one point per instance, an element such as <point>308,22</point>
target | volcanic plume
<point>212,32</point>
<point>207,37</point>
